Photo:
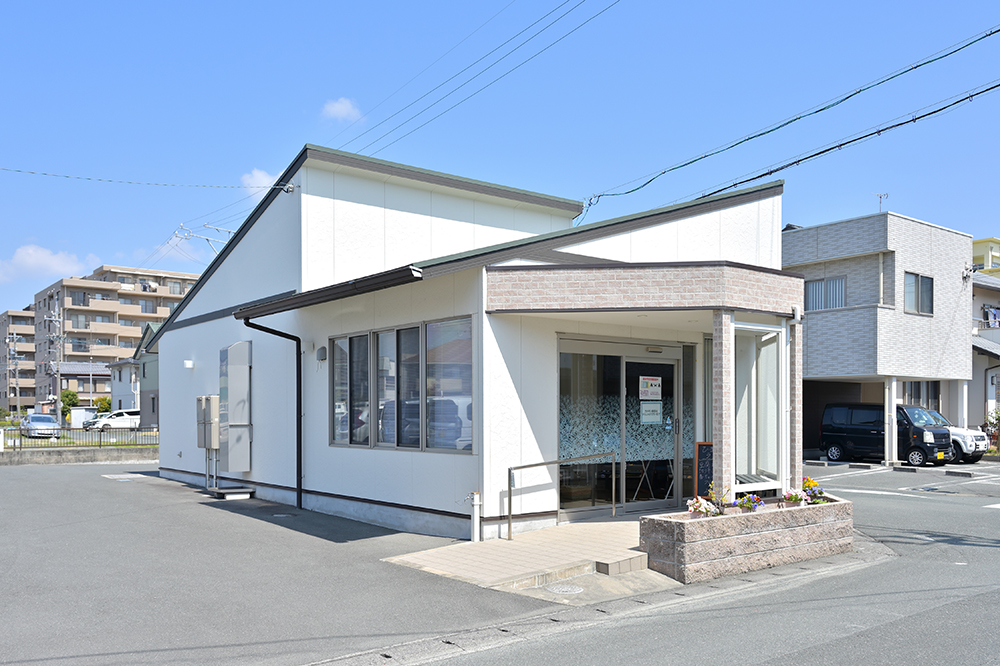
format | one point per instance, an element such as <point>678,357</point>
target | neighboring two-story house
<point>985,386</point>
<point>888,316</point>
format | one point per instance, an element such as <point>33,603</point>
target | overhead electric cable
<point>955,101</point>
<point>940,55</point>
<point>465,69</point>
<point>418,74</point>
<point>510,71</point>
<point>133,182</point>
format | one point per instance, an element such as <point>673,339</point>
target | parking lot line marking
<point>875,492</point>
<point>992,506</point>
<point>860,472</point>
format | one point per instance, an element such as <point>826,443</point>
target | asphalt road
<point>935,599</point>
<point>98,570</point>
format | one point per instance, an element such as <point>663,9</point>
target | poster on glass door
<point>650,388</point>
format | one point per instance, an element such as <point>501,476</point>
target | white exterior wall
<point>748,234</point>
<point>272,399</point>
<point>423,479</point>
<point>367,223</point>
<point>127,389</point>
<point>265,262</point>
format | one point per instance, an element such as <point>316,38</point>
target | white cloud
<point>341,109</point>
<point>259,179</point>
<point>34,261</point>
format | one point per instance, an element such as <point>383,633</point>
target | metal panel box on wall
<point>208,421</point>
<point>235,427</point>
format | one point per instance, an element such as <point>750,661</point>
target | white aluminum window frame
<point>784,481</point>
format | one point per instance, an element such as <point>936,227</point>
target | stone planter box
<point>691,550</point>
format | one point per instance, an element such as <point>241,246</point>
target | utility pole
<point>13,358</point>
<point>55,317</point>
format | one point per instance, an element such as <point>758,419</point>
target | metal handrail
<point>510,483</point>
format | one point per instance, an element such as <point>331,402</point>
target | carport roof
<point>985,346</point>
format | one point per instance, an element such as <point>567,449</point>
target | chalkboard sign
<point>702,467</point>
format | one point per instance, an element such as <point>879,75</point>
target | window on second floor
<point>918,293</point>
<point>825,294</point>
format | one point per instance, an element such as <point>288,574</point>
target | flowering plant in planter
<point>702,505</point>
<point>749,502</point>
<point>711,505</point>
<point>795,496</point>
<point>813,491</point>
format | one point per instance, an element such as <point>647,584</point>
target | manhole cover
<point>564,589</point>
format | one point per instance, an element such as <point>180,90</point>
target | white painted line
<point>858,472</point>
<point>992,506</point>
<point>876,492</point>
<point>120,477</point>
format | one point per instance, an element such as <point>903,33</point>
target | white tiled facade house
<point>434,332</point>
<point>888,313</point>
<point>985,386</point>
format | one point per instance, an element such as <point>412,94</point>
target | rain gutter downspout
<point>298,402</point>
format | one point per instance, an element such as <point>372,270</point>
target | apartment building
<point>93,321</point>
<point>986,255</point>
<point>17,360</point>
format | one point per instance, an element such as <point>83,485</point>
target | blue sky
<point>226,94</point>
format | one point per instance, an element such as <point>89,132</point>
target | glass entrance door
<point>611,403</point>
<point>650,433</point>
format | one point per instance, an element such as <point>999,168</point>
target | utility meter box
<point>208,421</point>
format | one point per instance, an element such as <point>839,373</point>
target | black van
<point>856,431</point>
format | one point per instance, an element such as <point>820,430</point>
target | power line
<point>510,71</point>
<point>940,55</point>
<point>844,143</point>
<point>132,182</point>
<point>418,74</point>
<point>462,71</point>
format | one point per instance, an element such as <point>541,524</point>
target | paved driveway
<point>109,564</point>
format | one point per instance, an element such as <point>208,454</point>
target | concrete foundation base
<point>691,549</point>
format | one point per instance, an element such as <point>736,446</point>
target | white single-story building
<point>403,338</point>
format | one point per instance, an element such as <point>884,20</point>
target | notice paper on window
<point>650,388</point>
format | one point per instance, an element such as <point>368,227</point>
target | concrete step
<point>233,493</point>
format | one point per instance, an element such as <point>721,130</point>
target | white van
<point>121,419</point>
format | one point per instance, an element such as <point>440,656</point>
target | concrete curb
<point>106,454</point>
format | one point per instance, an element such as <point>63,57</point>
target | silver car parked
<point>39,425</point>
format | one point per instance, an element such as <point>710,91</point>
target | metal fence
<point>73,438</point>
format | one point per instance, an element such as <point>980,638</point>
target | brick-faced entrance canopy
<point>721,287</point>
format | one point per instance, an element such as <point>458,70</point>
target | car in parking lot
<point>39,425</point>
<point>856,430</point>
<point>967,445</point>
<point>122,418</point>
